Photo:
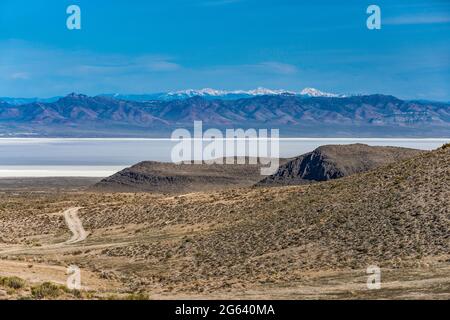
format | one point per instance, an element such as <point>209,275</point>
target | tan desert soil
<point>54,184</point>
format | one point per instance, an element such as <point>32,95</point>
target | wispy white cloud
<point>40,70</point>
<point>45,71</point>
<point>20,76</point>
<point>30,70</point>
<point>417,19</point>
<point>271,68</point>
<point>278,67</point>
<point>161,65</point>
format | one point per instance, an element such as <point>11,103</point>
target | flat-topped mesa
<point>159,177</point>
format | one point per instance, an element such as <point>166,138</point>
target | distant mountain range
<point>310,113</point>
<point>209,93</point>
<point>206,93</point>
<point>19,101</point>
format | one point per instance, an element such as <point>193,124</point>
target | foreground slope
<point>313,241</point>
<point>394,216</point>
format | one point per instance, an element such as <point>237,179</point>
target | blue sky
<point>147,46</point>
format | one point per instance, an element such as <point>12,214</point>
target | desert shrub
<point>12,282</point>
<point>137,296</point>
<point>131,296</point>
<point>73,292</point>
<point>46,290</point>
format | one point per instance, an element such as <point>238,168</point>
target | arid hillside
<point>393,216</point>
<point>47,184</point>
<point>310,241</point>
<point>161,177</point>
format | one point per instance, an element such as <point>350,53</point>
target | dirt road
<point>73,223</point>
<point>75,226</point>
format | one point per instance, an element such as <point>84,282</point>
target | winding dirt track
<point>75,226</point>
<point>73,223</point>
<point>42,272</point>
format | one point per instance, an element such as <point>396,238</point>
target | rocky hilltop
<point>325,163</point>
<point>336,161</point>
<point>159,177</point>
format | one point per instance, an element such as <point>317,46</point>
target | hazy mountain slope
<point>79,109</point>
<point>336,161</point>
<point>20,101</point>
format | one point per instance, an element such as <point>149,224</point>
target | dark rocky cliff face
<point>336,161</point>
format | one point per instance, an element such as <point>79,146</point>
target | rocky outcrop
<point>336,161</point>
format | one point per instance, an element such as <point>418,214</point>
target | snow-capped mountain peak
<point>201,92</point>
<point>311,92</point>
<point>260,91</point>
<point>209,93</point>
<point>217,93</point>
<point>264,91</point>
